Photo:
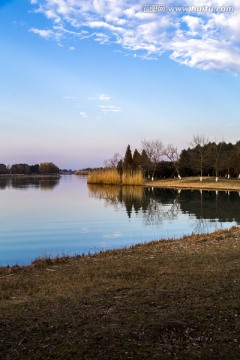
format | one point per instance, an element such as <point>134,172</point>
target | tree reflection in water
<point>147,201</point>
<point>24,182</point>
<point>162,205</point>
<point>155,205</point>
<point>132,198</point>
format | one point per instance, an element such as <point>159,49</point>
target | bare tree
<point>228,159</point>
<point>113,162</point>
<point>173,155</point>
<point>154,150</point>
<point>214,152</point>
<point>198,143</point>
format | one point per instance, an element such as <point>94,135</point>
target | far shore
<point>30,175</point>
<point>190,183</point>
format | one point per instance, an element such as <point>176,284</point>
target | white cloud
<point>110,108</point>
<point>69,97</point>
<point>103,97</point>
<point>83,114</point>
<point>43,33</point>
<point>100,96</point>
<point>203,39</point>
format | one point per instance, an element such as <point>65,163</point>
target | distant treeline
<point>202,158</point>
<point>43,168</point>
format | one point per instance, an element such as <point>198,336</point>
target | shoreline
<point>46,261</point>
<point>172,299</point>
<point>188,183</point>
<point>194,183</point>
<point>192,238</point>
<point>28,176</point>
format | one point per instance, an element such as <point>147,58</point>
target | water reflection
<point>222,205</point>
<point>157,205</point>
<point>22,182</point>
<point>75,218</point>
<point>133,198</point>
<point>163,205</point>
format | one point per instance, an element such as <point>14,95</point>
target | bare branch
<point>112,163</point>
<point>172,154</point>
<point>199,140</point>
<point>154,150</point>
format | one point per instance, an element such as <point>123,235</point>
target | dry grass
<point>112,177</point>
<point>160,300</point>
<point>108,177</point>
<point>134,179</point>
<point>208,183</point>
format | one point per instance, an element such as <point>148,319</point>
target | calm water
<point>52,217</point>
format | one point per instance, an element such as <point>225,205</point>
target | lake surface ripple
<point>50,217</point>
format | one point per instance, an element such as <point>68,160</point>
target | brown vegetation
<point>112,177</point>
<point>81,172</point>
<point>208,183</point>
<point>160,300</point>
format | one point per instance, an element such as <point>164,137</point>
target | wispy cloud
<point>101,97</point>
<point>206,40</point>
<point>69,97</point>
<point>110,108</point>
<point>83,114</point>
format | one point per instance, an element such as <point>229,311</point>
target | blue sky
<point>80,80</point>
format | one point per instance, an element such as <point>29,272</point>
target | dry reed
<point>132,179</point>
<point>108,177</point>
<point>112,177</point>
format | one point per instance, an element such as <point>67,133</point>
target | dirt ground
<point>174,299</point>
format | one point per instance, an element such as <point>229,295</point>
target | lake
<point>50,217</point>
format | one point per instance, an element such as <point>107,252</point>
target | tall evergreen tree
<point>145,162</point>
<point>136,160</point>
<point>128,160</point>
<point>120,169</point>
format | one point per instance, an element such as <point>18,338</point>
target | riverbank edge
<point>195,184</point>
<point>188,183</point>
<point>62,259</point>
<point>168,299</point>
<point>33,176</point>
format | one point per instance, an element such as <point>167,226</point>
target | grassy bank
<point>112,177</point>
<point>161,300</point>
<point>208,183</point>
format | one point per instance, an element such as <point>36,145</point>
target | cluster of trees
<point>148,160</point>
<point>209,158</point>
<point>202,158</point>
<point>41,169</point>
